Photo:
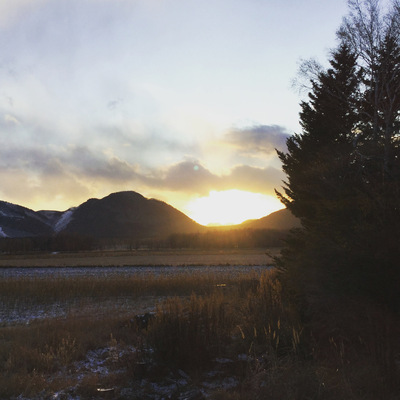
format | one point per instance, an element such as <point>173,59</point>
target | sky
<point>184,101</point>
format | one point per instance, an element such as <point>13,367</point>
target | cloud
<point>78,161</point>
<point>83,162</point>
<point>188,176</point>
<point>58,178</point>
<point>52,176</point>
<point>10,10</point>
<point>192,177</point>
<point>136,143</point>
<point>257,140</point>
<point>59,192</point>
<point>259,180</point>
<point>74,129</point>
<point>35,178</point>
<point>11,120</point>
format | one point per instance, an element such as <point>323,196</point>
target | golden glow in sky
<point>170,99</point>
<point>231,207</point>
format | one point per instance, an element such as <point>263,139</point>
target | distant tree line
<point>343,168</point>
<point>210,239</point>
<point>60,242</point>
<point>235,238</point>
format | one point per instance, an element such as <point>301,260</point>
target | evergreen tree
<point>317,160</point>
<point>343,169</point>
<point>375,38</point>
<point>320,186</point>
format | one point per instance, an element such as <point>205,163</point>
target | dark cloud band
<point>258,139</point>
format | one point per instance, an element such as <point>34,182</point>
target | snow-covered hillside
<point>64,220</point>
<point>18,221</point>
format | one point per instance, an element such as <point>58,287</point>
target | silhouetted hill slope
<point>280,220</point>
<point>17,221</point>
<point>129,214</point>
<point>120,215</point>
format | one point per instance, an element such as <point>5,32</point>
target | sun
<point>231,207</point>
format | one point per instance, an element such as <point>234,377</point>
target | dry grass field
<point>199,333</point>
<point>99,337</point>
<point>141,257</point>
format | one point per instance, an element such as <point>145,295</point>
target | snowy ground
<point>91,377</point>
<point>26,313</point>
<point>110,360</point>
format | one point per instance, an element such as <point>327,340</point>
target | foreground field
<point>122,337</point>
<point>224,332</point>
<point>87,335</point>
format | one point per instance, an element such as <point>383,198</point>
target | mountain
<point>129,214</point>
<point>280,220</point>
<point>17,221</point>
<point>119,215</point>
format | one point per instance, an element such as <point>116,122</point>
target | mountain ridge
<point>282,219</point>
<point>118,215</point>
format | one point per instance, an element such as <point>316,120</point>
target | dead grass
<point>38,358</point>
<point>58,289</point>
<point>349,351</point>
<point>34,358</point>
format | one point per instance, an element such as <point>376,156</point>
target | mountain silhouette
<point>17,221</point>
<point>280,220</point>
<point>119,215</point>
<point>129,214</point>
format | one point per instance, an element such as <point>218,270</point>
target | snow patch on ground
<point>102,362</point>
<point>25,312</point>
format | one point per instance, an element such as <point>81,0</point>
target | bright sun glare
<point>231,207</point>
